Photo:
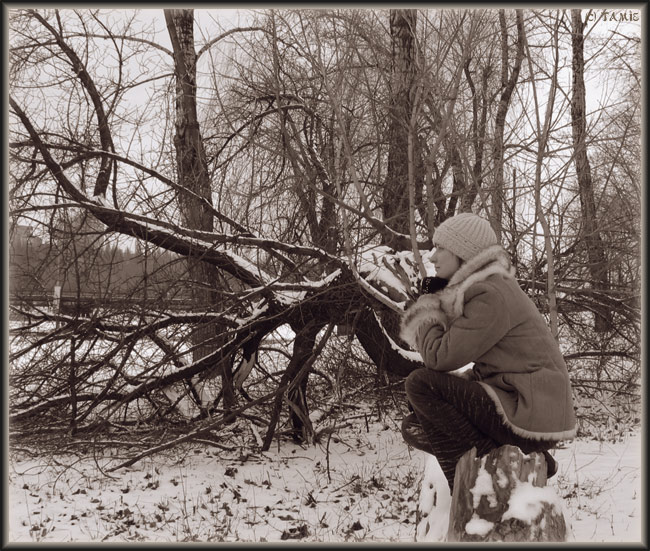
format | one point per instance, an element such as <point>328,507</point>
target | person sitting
<point>518,391</point>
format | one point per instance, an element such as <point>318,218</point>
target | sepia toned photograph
<point>323,274</point>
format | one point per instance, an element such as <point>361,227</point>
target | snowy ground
<point>362,484</point>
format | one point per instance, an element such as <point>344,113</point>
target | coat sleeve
<point>484,322</point>
<point>425,312</point>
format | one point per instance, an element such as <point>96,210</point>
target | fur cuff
<point>426,311</point>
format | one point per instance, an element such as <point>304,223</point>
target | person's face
<point>446,262</point>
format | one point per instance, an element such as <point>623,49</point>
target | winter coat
<point>483,316</point>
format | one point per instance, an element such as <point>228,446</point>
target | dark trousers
<point>453,415</point>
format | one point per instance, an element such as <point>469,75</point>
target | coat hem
<point>554,436</point>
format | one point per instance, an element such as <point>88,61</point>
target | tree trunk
<point>381,348</point>
<point>508,82</point>
<point>503,497</point>
<point>592,239</point>
<point>196,199</point>
<point>395,204</point>
<point>297,373</point>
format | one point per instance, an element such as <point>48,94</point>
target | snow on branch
<point>406,354</point>
<point>393,274</point>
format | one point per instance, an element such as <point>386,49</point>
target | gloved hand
<point>432,284</point>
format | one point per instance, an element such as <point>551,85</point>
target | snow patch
<point>502,478</point>
<point>434,504</point>
<point>526,502</point>
<point>380,266</point>
<point>289,297</point>
<point>257,497</point>
<point>483,487</point>
<point>478,526</point>
<point>257,311</point>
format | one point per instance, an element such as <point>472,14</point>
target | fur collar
<point>493,260</point>
<point>445,306</point>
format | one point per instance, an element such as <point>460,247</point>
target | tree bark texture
<point>380,347</point>
<point>508,82</point>
<point>503,497</point>
<point>395,194</point>
<point>592,239</point>
<point>195,199</point>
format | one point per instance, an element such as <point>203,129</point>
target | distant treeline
<point>35,269</point>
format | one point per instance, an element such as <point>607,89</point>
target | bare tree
<point>544,125</point>
<point>509,78</point>
<point>590,223</point>
<point>403,89</point>
<point>248,169</point>
<point>195,193</point>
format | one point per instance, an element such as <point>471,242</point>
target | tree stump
<point>503,496</point>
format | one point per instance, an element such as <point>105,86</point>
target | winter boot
<point>551,464</point>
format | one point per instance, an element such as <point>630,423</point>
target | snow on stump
<point>503,496</point>
<point>432,514</point>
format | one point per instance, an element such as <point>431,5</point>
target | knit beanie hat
<point>465,235</point>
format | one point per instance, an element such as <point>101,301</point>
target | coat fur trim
<point>532,435</point>
<point>493,260</point>
<point>425,311</point>
<point>445,306</point>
